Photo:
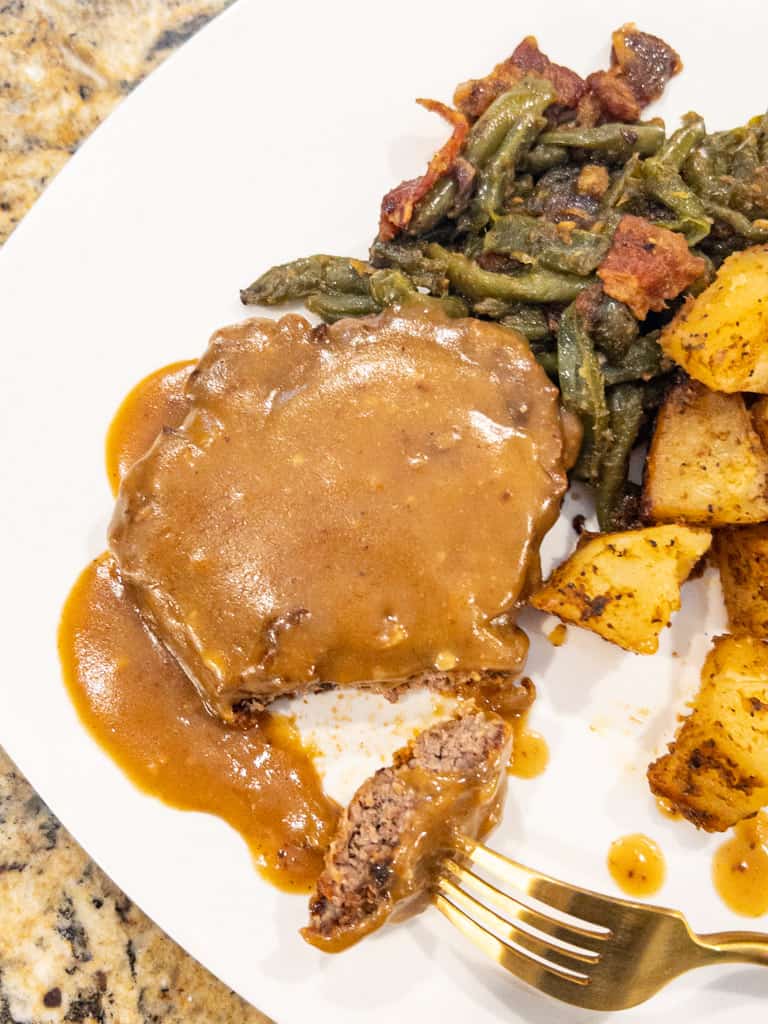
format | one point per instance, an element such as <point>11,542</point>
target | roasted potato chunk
<point>706,463</point>
<point>624,586</point>
<point>716,771</point>
<point>721,337</point>
<point>742,557</point>
<point>759,412</point>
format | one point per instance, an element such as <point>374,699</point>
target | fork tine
<point>522,940</point>
<point>588,908</point>
<point>514,909</point>
<point>514,960</point>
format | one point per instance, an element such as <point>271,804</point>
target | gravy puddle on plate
<point>141,708</point>
<point>740,868</point>
<point>530,753</point>
<point>636,865</point>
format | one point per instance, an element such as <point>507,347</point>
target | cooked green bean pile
<point>517,230</point>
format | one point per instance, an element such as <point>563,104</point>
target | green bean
<point>643,361</point>
<point>718,148</point>
<point>614,328</point>
<point>762,138</point>
<point>614,142</point>
<point>675,150</point>
<point>625,407</point>
<point>387,287</point>
<point>655,391</point>
<point>752,231</point>
<point>536,285</point>
<point>493,308</point>
<point>490,130</point>
<point>608,214</point>
<point>547,360</point>
<point>528,101</point>
<point>520,188</point>
<point>409,257</point>
<point>527,239</point>
<point>452,305</point>
<point>473,246</point>
<point>699,173</point>
<point>337,306</point>
<point>295,280</point>
<point>530,321</point>
<point>541,158</point>
<point>433,207</point>
<point>485,137</point>
<point>583,390</point>
<point>664,184</point>
<point>705,278</point>
<point>746,158</point>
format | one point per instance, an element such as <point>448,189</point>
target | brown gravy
<point>361,502</point>
<point>558,635</point>
<point>667,808</point>
<point>530,753</point>
<point>142,709</point>
<point>158,400</point>
<point>740,868</point>
<point>636,865</point>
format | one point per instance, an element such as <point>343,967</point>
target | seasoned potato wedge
<point>624,586</point>
<point>742,557</point>
<point>759,413</point>
<point>716,771</point>
<point>706,463</point>
<point>721,337</point>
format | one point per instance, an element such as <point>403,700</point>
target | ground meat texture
<point>402,820</point>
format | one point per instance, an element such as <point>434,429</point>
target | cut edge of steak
<point>402,821</point>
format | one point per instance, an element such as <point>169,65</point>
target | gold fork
<point>609,954</point>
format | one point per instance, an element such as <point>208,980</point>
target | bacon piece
<point>646,62</point>
<point>641,66</point>
<point>475,96</point>
<point>568,85</point>
<point>615,99</point>
<point>647,265</point>
<point>397,205</point>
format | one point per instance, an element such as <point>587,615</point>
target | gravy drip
<point>158,400</point>
<point>143,711</point>
<point>636,865</point>
<point>740,868</point>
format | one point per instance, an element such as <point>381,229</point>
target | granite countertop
<point>72,946</point>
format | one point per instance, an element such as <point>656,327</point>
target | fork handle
<point>738,947</point>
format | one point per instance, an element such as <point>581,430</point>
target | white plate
<point>274,134</point>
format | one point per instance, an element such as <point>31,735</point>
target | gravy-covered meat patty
<point>355,504</point>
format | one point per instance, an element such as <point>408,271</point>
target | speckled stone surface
<point>64,64</point>
<point>72,946</point>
